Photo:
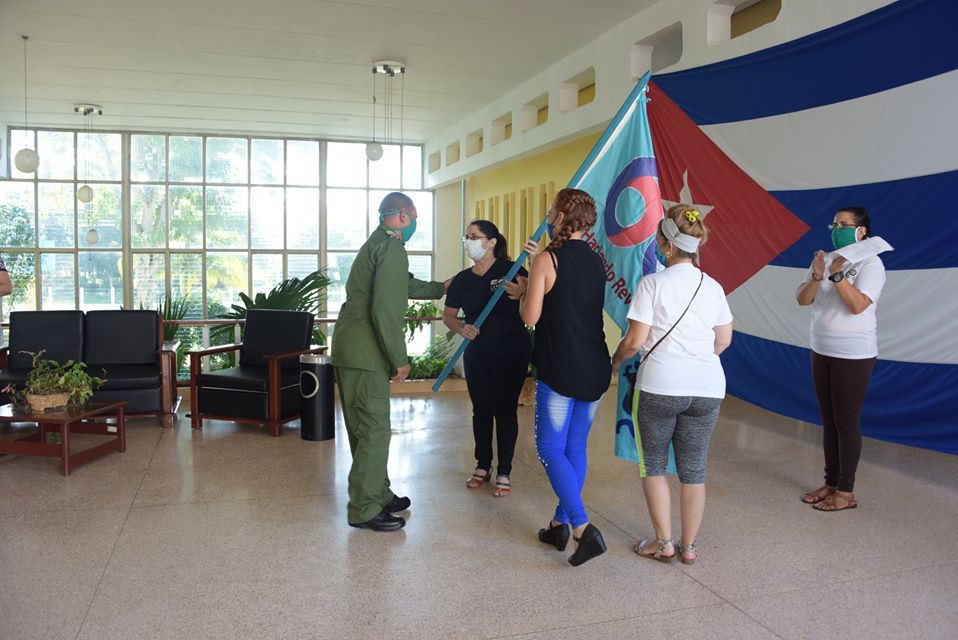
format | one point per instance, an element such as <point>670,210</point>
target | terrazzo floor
<point>228,533</point>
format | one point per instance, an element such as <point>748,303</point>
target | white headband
<point>685,242</point>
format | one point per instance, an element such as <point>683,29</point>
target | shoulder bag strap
<point>687,307</point>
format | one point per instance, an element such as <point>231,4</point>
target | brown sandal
<point>659,554</point>
<point>838,501</point>
<point>819,494</point>
<point>479,478</point>
<point>503,487</point>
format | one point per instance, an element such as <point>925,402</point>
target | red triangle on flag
<point>747,226</point>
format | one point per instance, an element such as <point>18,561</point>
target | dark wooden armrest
<point>286,356</point>
<point>221,349</point>
<point>4,356</point>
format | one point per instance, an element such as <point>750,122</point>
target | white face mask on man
<point>474,249</point>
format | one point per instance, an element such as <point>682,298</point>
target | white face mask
<point>474,249</point>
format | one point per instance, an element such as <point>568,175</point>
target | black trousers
<point>840,386</point>
<point>494,385</point>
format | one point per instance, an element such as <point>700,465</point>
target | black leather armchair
<point>125,348</point>
<point>60,333</point>
<point>264,387</point>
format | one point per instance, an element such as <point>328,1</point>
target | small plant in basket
<point>52,385</point>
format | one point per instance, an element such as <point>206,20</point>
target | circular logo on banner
<point>634,193</point>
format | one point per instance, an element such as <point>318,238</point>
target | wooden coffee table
<point>91,418</point>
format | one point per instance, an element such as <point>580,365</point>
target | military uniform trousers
<point>364,397</point>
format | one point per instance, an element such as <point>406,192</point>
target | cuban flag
<point>862,113</point>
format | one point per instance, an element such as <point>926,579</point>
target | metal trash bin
<point>317,395</point>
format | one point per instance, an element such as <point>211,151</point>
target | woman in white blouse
<point>844,342</point>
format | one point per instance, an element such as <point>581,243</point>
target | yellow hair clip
<point>692,215</point>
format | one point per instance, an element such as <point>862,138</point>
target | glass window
<point>267,271</point>
<point>147,158</point>
<point>148,216</point>
<point>345,164</point>
<point>149,280</point>
<point>226,160</point>
<point>21,267</point>
<point>226,277</point>
<point>98,156</point>
<point>56,154</point>
<point>16,214</point>
<point>103,213</point>
<point>301,264</point>
<point>302,218</point>
<point>421,267</point>
<point>338,266</point>
<point>412,167</point>
<point>345,222</point>
<point>186,217</point>
<point>21,139</point>
<point>56,277</point>
<point>186,159</point>
<point>266,217</point>
<point>385,173</point>
<point>267,162</point>
<point>101,285</point>
<point>186,280</point>
<point>302,162</point>
<point>227,218</point>
<point>56,221</point>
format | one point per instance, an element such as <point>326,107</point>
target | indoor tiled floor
<point>228,533</point>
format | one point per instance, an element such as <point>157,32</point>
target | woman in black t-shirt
<point>497,360</point>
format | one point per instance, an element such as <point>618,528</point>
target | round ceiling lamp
<point>27,160</point>
<point>85,193</point>
<point>388,69</point>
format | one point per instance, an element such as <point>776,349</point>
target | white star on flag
<point>685,197</point>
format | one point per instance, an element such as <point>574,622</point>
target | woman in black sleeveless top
<point>564,299</point>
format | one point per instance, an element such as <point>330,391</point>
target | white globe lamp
<point>374,151</point>
<point>27,160</point>
<point>92,237</point>
<point>85,193</point>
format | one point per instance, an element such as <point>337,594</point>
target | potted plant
<point>52,385</point>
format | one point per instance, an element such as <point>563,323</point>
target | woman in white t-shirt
<point>844,345</point>
<point>680,321</point>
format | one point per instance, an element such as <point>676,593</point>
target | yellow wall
<point>755,16</point>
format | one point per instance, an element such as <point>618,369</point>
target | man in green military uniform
<point>369,350</point>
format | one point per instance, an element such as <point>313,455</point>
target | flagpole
<point>513,270</point>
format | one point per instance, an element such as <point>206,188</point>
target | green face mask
<point>405,233</point>
<point>844,236</point>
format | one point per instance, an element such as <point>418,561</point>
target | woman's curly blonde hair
<point>578,208</point>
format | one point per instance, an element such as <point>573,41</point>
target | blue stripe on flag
<point>903,212</point>
<point>904,42</point>
<point>907,403</point>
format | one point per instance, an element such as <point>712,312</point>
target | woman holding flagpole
<point>680,321</point>
<point>497,360</point>
<point>563,298</point>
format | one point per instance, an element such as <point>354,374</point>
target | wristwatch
<point>838,276</point>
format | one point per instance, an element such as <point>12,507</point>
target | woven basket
<point>50,401</point>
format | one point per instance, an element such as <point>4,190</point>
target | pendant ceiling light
<point>85,193</point>
<point>388,69</point>
<point>27,160</point>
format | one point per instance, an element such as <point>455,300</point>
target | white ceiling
<point>296,67</point>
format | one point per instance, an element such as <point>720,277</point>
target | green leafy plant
<point>174,308</point>
<point>432,361</point>
<point>415,317</point>
<point>50,377</point>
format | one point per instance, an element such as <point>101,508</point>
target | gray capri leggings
<point>687,422</point>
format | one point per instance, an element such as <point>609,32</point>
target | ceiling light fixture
<point>388,69</point>
<point>85,193</point>
<point>27,160</point>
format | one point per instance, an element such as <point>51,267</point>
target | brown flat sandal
<point>838,501</point>
<point>819,494</point>
<point>479,478</point>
